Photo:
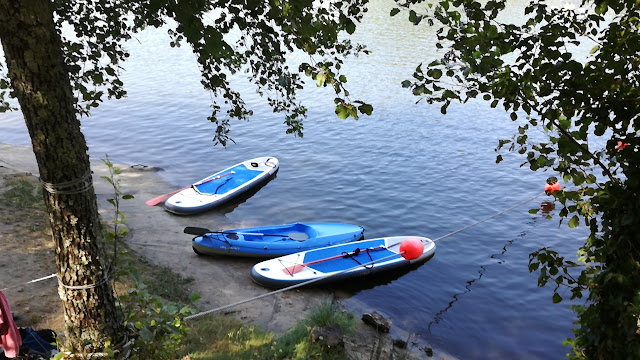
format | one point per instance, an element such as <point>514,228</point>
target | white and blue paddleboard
<point>222,186</point>
<point>341,262</point>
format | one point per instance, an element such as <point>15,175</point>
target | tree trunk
<point>33,52</point>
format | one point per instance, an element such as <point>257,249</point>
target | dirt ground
<point>27,254</point>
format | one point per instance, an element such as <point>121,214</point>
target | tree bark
<point>33,52</point>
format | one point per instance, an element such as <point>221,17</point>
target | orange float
<point>622,145</point>
<point>550,188</point>
<point>411,248</point>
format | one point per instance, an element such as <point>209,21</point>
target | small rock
<point>399,343</point>
<point>429,351</point>
<point>146,168</point>
<point>330,335</point>
<point>378,321</point>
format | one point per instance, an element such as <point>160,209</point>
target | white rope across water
<point>489,218</point>
<point>310,281</point>
<point>191,317</point>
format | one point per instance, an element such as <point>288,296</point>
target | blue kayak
<point>343,261</point>
<point>274,240</point>
<point>222,186</point>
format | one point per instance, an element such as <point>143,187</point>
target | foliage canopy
<point>589,109</point>
<point>227,37</point>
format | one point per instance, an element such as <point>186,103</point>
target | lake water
<point>405,170</point>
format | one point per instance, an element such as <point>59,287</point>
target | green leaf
<point>574,222</point>
<point>365,109</point>
<point>146,334</point>
<point>493,32</point>
<point>557,298</point>
<point>342,111</point>
<point>412,16</point>
<point>195,297</point>
<point>564,122</point>
<point>350,27</point>
<point>541,161</point>
<point>320,79</point>
<point>394,12</point>
<point>602,8</point>
<point>443,108</point>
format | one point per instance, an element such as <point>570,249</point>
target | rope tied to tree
<point>76,186</point>
<point>108,270</point>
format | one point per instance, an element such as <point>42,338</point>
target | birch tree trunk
<point>33,52</point>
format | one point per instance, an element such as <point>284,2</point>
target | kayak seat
<point>299,236</point>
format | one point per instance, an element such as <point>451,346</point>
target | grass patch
<point>23,193</point>
<point>23,203</point>
<point>158,280</point>
<point>222,338</point>
<point>296,344</point>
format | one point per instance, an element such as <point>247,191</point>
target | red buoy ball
<point>411,248</point>
<point>622,145</point>
<point>550,188</point>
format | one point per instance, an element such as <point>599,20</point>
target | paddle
<point>297,268</point>
<point>157,200</point>
<point>202,231</point>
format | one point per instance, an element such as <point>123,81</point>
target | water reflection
<point>356,285</point>
<point>500,258</point>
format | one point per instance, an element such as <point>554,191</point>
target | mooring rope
<point>350,269</point>
<point>284,289</point>
<point>30,282</point>
<point>317,279</point>
<point>489,218</point>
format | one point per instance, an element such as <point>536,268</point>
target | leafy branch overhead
<point>571,75</point>
<point>63,58</point>
<point>228,38</point>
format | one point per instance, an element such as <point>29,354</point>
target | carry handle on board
<point>157,200</point>
<point>192,230</point>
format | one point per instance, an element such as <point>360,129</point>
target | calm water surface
<point>406,170</point>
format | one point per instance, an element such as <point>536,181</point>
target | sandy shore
<point>158,235</point>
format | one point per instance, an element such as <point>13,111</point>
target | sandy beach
<point>157,235</point>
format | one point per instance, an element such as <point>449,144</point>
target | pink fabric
<point>9,334</point>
